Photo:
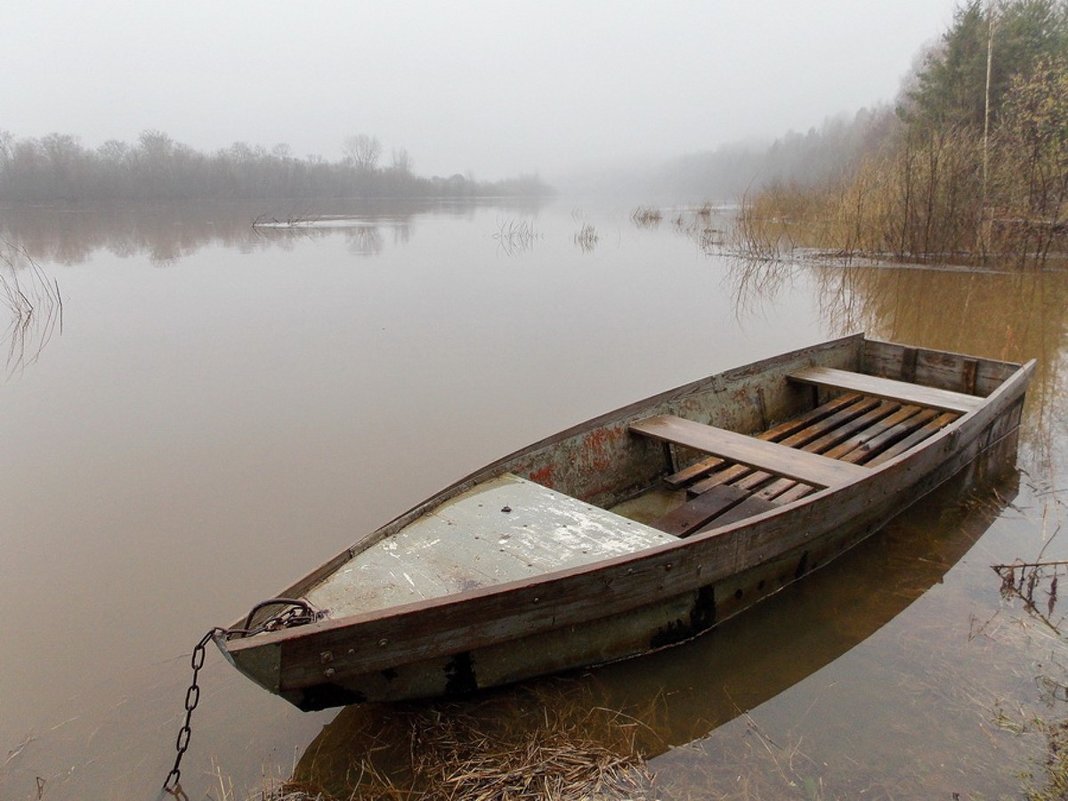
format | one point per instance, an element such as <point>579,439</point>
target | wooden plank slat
<point>773,491</point>
<point>732,473</point>
<point>694,471</point>
<point>747,508</point>
<point>694,514</point>
<point>771,456</point>
<point>838,435</point>
<point>681,478</point>
<point>871,441</point>
<point>895,431</point>
<point>902,391</point>
<point>915,438</point>
<point>836,444</point>
<point>859,440</point>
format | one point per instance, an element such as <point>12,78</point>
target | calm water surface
<point>226,408</point>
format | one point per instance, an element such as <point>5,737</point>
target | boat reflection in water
<point>628,713</point>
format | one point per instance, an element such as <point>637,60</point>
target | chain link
<point>172,784</point>
<point>296,613</point>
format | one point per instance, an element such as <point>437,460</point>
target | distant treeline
<point>728,172</point>
<point>58,167</point>
<point>732,171</point>
<point>971,162</point>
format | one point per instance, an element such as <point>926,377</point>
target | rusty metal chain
<point>297,612</point>
<point>172,784</point>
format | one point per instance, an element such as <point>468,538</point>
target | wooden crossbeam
<point>779,459</point>
<point>942,399</point>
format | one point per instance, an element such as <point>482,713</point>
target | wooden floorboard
<point>898,431</point>
<point>694,514</point>
<point>831,439</point>
<point>915,438</point>
<point>861,438</point>
<point>747,508</point>
<point>913,430</point>
<point>729,474</point>
<point>841,442</point>
<point>795,493</point>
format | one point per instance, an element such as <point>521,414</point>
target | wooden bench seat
<point>782,460</point>
<point>930,397</point>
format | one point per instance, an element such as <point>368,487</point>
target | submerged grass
<point>647,216</point>
<point>515,236</point>
<point>587,238</point>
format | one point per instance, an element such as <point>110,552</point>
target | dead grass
<point>541,743</point>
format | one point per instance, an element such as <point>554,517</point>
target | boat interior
<point>703,457</point>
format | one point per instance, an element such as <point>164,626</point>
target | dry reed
<point>35,304</point>
<point>647,217</point>
<point>540,743</point>
<point>515,236</point>
<point>587,238</point>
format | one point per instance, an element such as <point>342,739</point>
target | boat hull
<point>627,605</point>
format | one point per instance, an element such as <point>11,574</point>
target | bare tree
<point>362,151</point>
<point>402,161</point>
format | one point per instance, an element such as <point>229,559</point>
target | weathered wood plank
<point>936,368</point>
<point>692,515</point>
<point>843,432</point>
<point>694,471</point>
<point>902,391</point>
<point>915,438</point>
<point>895,430</point>
<point>774,490</point>
<point>865,436</point>
<point>732,473</point>
<point>748,508</point>
<point>771,456</point>
<point>794,493</point>
<point>865,447</point>
<point>680,478</point>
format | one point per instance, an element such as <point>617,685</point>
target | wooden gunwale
<point>478,618</point>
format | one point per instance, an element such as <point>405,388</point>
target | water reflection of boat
<point>670,696</point>
<point>539,562</point>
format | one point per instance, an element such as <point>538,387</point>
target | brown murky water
<point>226,407</point>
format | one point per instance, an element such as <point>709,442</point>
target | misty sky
<point>495,88</point>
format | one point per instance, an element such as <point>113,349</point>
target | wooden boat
<point>639,529</point>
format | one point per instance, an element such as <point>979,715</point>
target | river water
<point>215,409</point>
